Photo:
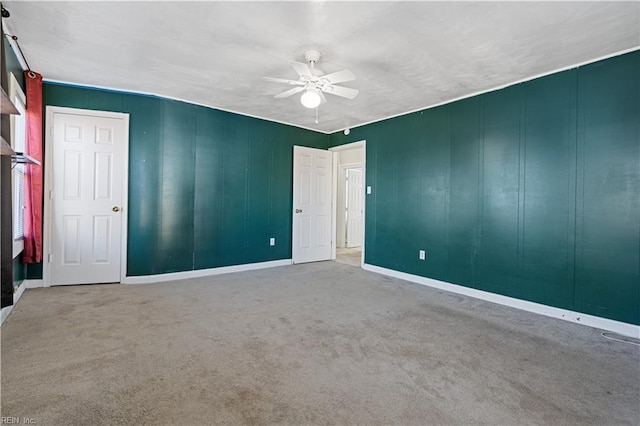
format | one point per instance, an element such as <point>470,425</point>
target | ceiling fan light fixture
<point>313,83</point>
<point>310,98</point>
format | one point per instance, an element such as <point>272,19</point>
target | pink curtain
<point>33,174</point>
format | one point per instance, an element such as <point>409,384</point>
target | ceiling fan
<point>314,83</point>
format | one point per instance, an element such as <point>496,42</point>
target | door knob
<point>116,209</point>
<point>298,210</point>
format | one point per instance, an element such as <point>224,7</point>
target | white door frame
<point>48,185</point>
<point>360,144</point>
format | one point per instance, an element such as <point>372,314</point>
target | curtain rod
<point>15,39</point>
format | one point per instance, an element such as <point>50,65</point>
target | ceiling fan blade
<point>345,92</point>
<point>283,80</point>
<point>289,92</point>
<point>339,76</point>
<point>323,99</point>
<point>300,68</point>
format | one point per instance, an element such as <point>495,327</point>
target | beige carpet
<point>349,256</point>
<point>322,343</point>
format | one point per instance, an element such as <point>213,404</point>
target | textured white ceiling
<point>405,55</point>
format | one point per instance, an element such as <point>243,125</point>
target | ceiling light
<point>310,98</point>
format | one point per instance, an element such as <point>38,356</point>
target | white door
<point>354,207</point>
<point>86,202</point>
<point>311,240</point>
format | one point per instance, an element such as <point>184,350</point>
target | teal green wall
<point>532,191</point>
<point>12,63</point>
<point>206,188</point>
<point>19,270</point>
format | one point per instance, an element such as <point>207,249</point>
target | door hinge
<point>51,194</point>
<point>49,258</point>
<point>51,130</point>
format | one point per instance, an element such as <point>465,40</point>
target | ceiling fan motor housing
<point>312,55</point>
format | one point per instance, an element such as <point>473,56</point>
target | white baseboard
<point>16,296</point>
<point>5,313</point>
<point>146,279</point>
<point>622,328</point>
<point>34,283</point>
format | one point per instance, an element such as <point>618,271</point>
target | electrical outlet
<point>368,190</point>
<point>272,241</point>
<point>422,255</point>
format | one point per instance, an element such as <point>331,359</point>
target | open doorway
<point>349,164</point>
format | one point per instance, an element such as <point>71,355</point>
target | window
<point>18,127</point>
